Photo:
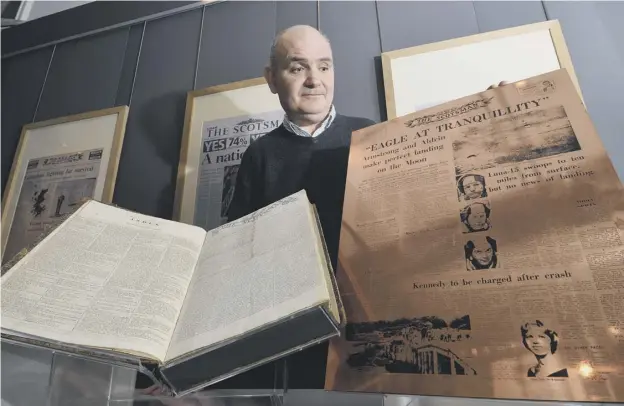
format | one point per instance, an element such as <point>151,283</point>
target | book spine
<point>343,315</point>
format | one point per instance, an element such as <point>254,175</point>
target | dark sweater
<point>275,166</point>
<point>281,163</point>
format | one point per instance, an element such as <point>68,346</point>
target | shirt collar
<point>295,129</point>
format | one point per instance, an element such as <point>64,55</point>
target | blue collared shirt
<point>295,129</point>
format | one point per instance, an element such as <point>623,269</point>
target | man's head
<point>476,216</point>
<point>301,72</point>
<point>482,252</point>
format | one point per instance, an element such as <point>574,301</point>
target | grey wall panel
<point>130,60</point>
<point>97,15</point>
<point>236,41</point>
<point>148,166</point>
<point>355,48</point>
<point>22,79</point>
<point>599,68</point>
<point>611,14</point>
<point>84,75</point>
<point>496,15</point>
<point>404,24</point>
<point>291,13</point>
<point>41,9</point>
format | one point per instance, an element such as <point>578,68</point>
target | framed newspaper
<point>220,124</point>
<point>420,77</point>
<point>59,162</point>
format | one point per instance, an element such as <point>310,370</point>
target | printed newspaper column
<point>52,186</point>
<point>223,143</point>
<point>481,252</point>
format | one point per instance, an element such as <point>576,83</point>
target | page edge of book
<point>328,270</point>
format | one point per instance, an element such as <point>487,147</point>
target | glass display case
<point>37,376</point>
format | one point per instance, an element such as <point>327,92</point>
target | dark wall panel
<point>130,60</point>
<point>291,13</point>
<point>84,75</point>
<point>355,51</point>
<point>92,16</point>
<point>236,41</point>
<point>496,15</point>
<point>600,70</point>
<point>148,165</point>
<point>22,79</point>
<point>404,24</point>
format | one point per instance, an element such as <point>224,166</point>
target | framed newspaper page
<point>420,77</point>
<point>57,163</point>
<point>481,252</point>
<point>220,123</point>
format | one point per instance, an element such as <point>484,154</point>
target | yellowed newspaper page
<point>252,271</point>
<point>106,277</point>
<point>482,252</point>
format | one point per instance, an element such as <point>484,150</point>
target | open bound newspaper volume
<point>192,307</point>
<point>482,252</point>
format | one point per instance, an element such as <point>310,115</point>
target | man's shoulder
<point>266,141</point>
<point>354,122</point>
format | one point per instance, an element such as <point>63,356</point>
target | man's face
<point>472,187</point>
<point>483,252</point>
<point>303,75</point>
<point>477,218</point>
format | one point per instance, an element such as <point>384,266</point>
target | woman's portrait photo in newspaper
<point>470,187</point>
<point>542,342</point>
<point>475,217</point>
<point>481,253</point>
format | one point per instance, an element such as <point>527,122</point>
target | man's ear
<point>268,76</point>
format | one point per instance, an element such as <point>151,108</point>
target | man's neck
<point>306,127</point>
<point>309,123</point>
<point>310,128</point>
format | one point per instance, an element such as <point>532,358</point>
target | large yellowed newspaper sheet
<point>482,252</point>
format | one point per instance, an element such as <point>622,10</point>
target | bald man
<point>308,151</point>
<point>311,148</point>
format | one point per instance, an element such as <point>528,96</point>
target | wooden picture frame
<point>213,127</point>
<point>66,158</point>
<point>423,76</point>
